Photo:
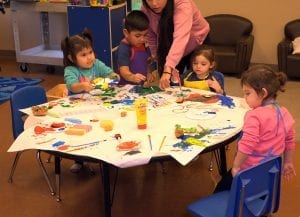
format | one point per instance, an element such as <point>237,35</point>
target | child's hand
<point>114,75</point>
<point>288,171</point>
<point>164,81</point>
<point>150,77</point>
<point>138,78</point>
<point>213,83</point>
<point>87,86</point>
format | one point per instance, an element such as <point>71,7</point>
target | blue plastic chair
<point>254,192</point>
<point>23,98</point>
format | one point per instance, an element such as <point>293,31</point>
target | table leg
<point>106,189</point>
<point>223,163</point>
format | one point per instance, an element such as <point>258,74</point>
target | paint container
<point>140,105</point>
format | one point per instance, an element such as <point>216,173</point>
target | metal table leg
<point>106,189</point>
<point>223,163</point>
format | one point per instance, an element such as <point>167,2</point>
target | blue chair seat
<point>205,208</point>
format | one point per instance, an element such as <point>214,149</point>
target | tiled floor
<point>140,192</point>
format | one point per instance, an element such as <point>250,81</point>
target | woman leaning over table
<point>176,28</point>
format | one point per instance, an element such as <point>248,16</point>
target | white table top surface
<point>223,117</point>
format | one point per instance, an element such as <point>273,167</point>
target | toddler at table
<point>134,57</point>
<point>81,68</point>
<point>269,129</point>
<point>203,74</point>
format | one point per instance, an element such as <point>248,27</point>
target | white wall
<point>268,17</point>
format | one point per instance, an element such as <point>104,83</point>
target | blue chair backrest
<point>23,98</point>
<point>256,191</point>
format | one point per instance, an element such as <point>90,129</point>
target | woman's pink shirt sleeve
<point>190,30</point>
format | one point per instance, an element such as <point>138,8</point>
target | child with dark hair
<point>81,64</point>
<point>203,75</point>
<point>133,54</point>
<point>269,129</point>
<point>81,68</point>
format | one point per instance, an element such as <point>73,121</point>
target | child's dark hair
<point>136,20</point>
<point>263,76</point>
<point>208,53</point>
<point>73,44</point>
<point>166,30</point>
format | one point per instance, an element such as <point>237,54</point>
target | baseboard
<point>274,66</point>
<point>7,53</point>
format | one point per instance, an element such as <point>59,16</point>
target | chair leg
<point>38,157</point>
<point>12,171</point>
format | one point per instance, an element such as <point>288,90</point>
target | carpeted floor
<point>140,191</point>
<point>10,84</point>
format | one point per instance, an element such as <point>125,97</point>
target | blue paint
<point>182,145</point>
<point>217,130</point>
<point>226,101</point>
<point>73,120</point>
<point>57,144</point>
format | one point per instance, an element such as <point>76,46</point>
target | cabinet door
<point>97,21</point>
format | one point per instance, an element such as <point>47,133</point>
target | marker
<point>162,142</point>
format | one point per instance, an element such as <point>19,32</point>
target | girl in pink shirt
<point>268,128</point>
<point>176,29</point>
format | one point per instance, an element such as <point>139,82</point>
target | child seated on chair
<point>134,55</point>
<point>203,74</point>
<point>82,67</point>
<point>269,129</point>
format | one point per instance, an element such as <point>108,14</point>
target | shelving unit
<point>106,25</point>
<point>38,29</point>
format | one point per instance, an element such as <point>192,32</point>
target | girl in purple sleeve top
<point>176,29</point>
<point>269,129</point>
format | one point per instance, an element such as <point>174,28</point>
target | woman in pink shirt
<point>176,29</point>
<point>269,129</point>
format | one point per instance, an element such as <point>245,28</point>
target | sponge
<point>107,125</point>
<point>78,129</point>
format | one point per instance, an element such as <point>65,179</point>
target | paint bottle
<point>140,105</point>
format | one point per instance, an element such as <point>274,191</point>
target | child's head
<point>136,26</point>
<point>261,84</point>
<point>203,61</point>
<point>78,50</point>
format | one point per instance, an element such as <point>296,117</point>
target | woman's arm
<point>190,30</point>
